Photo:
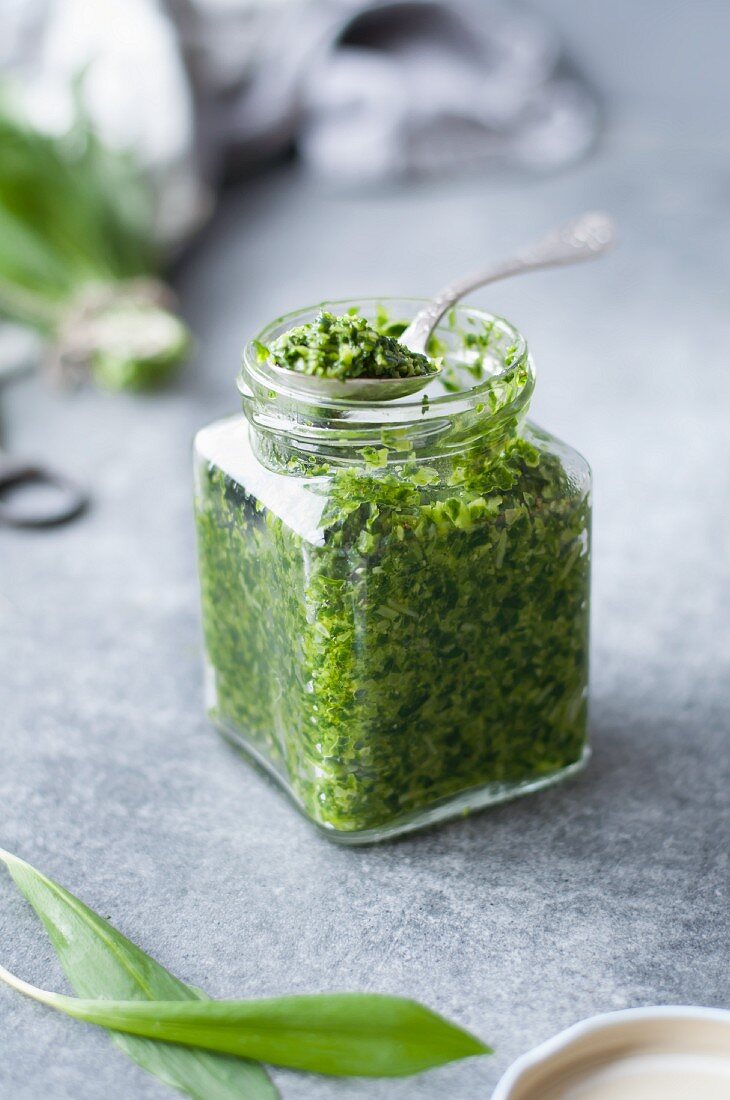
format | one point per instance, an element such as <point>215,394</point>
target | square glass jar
<point>396,594</point>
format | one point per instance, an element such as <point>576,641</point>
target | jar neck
<point>478,402</point>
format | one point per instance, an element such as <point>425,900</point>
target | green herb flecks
<point>346,347</point>
<point>434,642</point>
<point>163,1024</point>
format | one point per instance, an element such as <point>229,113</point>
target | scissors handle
<point>60,501</point>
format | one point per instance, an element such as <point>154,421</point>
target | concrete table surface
<point>609,891</point>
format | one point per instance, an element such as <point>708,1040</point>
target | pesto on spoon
<point>344,357</point>
<point>334,352</point>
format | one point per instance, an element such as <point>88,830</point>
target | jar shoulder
<point>230,479</point>
<point>458,489</point>
<point>574,466</point>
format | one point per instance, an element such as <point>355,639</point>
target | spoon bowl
<point>352,389</point>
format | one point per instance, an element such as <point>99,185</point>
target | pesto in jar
<point>396,618</point>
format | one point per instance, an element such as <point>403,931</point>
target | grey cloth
<point>427,87</point>
<point>367,91</point>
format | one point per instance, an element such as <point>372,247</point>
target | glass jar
<point>395,594</point>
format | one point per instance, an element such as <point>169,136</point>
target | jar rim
<point>253,369</point>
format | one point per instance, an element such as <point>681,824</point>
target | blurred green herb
<point>76,256</point>
<point>149,1012</point>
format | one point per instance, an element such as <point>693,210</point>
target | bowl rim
<point>604,1021</point>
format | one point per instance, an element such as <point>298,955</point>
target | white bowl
<point>581,1054</point>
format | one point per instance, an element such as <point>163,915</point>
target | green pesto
<point>345,347</point>
<point>432,641</point>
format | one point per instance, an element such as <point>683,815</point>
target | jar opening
<point>484,387</point>
<point>479,350</point>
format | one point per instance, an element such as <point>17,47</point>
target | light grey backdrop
<point>607,892</point>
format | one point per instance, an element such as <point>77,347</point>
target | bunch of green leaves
<point>205,1048</point>
<point>76,215</point>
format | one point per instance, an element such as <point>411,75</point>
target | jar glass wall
<point>395,595</point>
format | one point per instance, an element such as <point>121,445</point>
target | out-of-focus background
<point>288,153</point>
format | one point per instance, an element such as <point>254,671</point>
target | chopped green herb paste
<point>345,347</point>
<point>426,639</point>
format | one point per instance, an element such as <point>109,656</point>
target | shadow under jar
<point>395,594</point>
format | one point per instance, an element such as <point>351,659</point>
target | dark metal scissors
<point>31,494</point>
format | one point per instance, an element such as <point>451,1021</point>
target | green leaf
<point>100,962</point>
<point>347,1034</point>
<point>344,1034</point>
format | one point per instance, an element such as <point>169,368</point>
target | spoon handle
<point>584,238</point>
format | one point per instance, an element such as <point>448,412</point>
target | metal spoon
<point>584,238</point>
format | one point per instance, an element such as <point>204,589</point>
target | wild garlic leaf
<point>72,211</point>
<point>343,1034</point>
<point>77,252</point>
<point>100,962</point>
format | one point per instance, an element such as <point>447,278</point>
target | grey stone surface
<point>607,892</point>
